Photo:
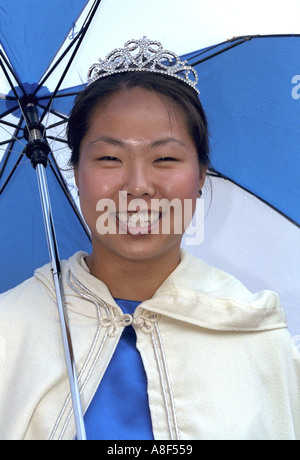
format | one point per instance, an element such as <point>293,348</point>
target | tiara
<point>143,55</point>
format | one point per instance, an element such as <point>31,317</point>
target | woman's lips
<point>141,222</point>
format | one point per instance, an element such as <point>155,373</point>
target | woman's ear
<point>203,172</point>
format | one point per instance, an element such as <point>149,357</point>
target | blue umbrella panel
<point>249,87</point>
<point>28,57</point>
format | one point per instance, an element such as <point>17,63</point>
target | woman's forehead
<point>136,115</point>
<point>138,97</point>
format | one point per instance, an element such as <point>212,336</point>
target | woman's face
<point>139,145</point>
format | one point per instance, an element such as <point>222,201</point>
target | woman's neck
<point>132,279</point>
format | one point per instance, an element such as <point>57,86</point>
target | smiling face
<point>139,144</point>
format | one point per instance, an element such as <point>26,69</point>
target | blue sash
<point>120,407</point>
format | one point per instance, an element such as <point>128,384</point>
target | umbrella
<point>255,138</point>
<point>31,103</point>
<point>249,88</point>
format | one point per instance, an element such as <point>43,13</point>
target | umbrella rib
<point>79,41</point>
<point>57,63</point>
<point>9,140</point>
<point>9,81</point>
<point>7,123</point>
<point>71,93</point>
<point>54,125</point>
<point>207,49</point>
<point>12,86</point>
<point>213,173</point>
<point>236,41</point>
<point>76,37</point>
<point>61,181</point>
<point>12,72</point>
<point>9,150</point>
<point>56,171</point>
<point>14,136</point>
<point>57,139</point>
<point>8,112</point>
<point>217,53</point>
<point>11,173</point>
<point>58,114</point>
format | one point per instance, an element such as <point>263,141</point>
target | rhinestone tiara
<point>143,55</point>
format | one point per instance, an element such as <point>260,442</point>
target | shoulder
<point>33,296</point>
<point>40,283</point>
<point>23,305</point>
<point>198,275</point>
<point>209,297</point>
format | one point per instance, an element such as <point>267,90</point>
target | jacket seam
<point>165,384</point>
<point>86,294</point>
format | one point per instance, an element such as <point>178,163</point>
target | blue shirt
<point>120,407</point>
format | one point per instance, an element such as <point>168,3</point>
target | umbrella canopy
<point>248,87</point>
<point>248,90</point>
<point>254,115</point>
<point>22,230</point>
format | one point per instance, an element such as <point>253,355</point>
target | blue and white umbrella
<point>251,92</point>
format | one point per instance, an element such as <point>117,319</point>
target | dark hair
<point>172,88</point>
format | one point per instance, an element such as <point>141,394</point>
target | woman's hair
<point>169,88</point>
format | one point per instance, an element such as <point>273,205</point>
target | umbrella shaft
<point>54,261</point>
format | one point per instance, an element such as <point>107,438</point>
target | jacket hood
<point>194,293</point>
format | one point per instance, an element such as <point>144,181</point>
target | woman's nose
<point>139,182</point>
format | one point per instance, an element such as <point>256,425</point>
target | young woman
<point>166,347</point>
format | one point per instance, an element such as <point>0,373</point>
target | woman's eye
<point>108,158</point>
<point>165,159</point>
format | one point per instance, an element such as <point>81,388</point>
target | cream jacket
<point>219,360</point>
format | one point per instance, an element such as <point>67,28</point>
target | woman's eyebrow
<point>167,140</point>
<point>153,144</point>
<point>109,140</point>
